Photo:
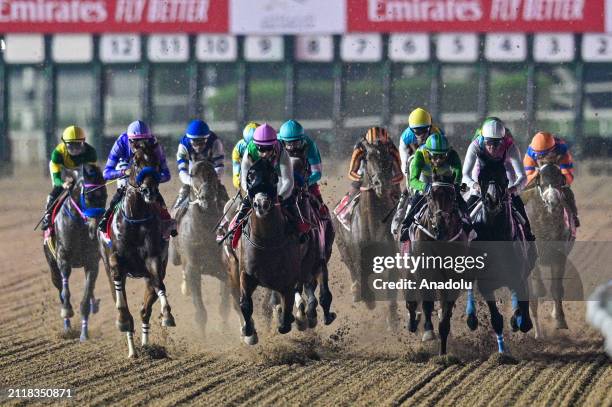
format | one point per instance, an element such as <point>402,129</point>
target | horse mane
<point>203,166</point>
<point>492,169</point>
<point>262,177</point>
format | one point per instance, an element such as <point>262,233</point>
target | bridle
<point>431,216</point>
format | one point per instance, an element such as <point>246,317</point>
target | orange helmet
<point>542,141</point>
<point>376,135</point>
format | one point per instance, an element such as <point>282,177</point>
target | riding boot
<point>571,201</point>
<point>53,195</point>
<point>463,210</point>
<point>236,224</point>
<point>182,196</point>
<point>111,207</point>
<point>342,210</point>
<point>399,211</point>
<point>416,204</point>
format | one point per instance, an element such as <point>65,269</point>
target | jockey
<point>495,141</point>
<point>265,146</point>
<point>72,152</point>
<point>198,143</point>
<point>433,156</point>
<point>136,137</point>
<point>239,149</point>
<point>374,135</point>
<point>298,144</point>
<point>544,146</point>
<point>419,128</point>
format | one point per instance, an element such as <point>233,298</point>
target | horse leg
<point>286,319</point>
<point>124,322</point>
<point>445,323</point>
<point>414,317</point>
<point>534,304</point>
<point>497,322</point>
<point>156,270</point>
<point>224,306</point>
<point>558,271</point>
<point>91,274</point>
<point>428,332</point>
<point>300,304</point>
<point>248,284</point>
<point>392,317</point>
<point>145,312</point>
<point>195,282</point>
<point>312,303</point>
<point>470,311</point>
<point>325,297</point>
<point>65,270</point>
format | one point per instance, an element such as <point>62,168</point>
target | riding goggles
<point>493,142</point>
<point>420,131</point>
<point>264,148</point>
<point>139,143</point>
<point>439,156</point>
<point>75,147</point>
<point>294,145</point>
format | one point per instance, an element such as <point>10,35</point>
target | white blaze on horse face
<point>262,204</point>
<point>551,198</point>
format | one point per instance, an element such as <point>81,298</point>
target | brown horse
<point>437,231</point>
<point>368,235</point>
<point>269,254</point>
<point>195,246</point>
<point>315,251</point>
<point>137,248</point>
<point>553,225</point>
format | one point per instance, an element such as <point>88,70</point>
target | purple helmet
<point>265,135</point>
<point>138,130</point>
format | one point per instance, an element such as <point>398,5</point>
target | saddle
<point>345,209</point>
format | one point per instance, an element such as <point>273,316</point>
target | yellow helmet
<point>249,130</point>
<point>73,134</point>
<point>419,117</point>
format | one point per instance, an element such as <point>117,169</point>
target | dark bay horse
<point>501,237</point>
<point>75,243</point>
<point>137,248</point>
<point>315,253</point>
<point>368,235</point>
<point>437,233</point>
<point>195,246</point>
<point>269,254</point>
<point>553,225</point>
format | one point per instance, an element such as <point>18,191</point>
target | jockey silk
<point>61,158</point>
<point>121,151</point>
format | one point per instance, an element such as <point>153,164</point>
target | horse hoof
<point>284,329</point>
<point>301,323</point>
<point>329,318</point>
<point>472,322</point>
<point>95,306</point>
<point>67,313</point>
<point>123,326</point>
<point>132,355</point>
<point>168,321</point>
<point>251,340</point>
<point>514,324</point>
<point>84,337</point>
<point>370,305</point>
<point>561,324</point>
<point>312,322</point>
<point>428,336</point>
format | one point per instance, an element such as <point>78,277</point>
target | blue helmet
<point>291,130</point>
<point>197,129</point>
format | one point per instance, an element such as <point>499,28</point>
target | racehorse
<point>368,235</point>
<point>269,254</point>
<point>437,232</point>
<point>195,246</point>
<point>506,265</point>
<point>315,253</point>
<point>74,243</point>
<point>553,225</point>
<point>136,248</point>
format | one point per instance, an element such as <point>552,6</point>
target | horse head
<point>261,187</point>
<point>441,207</point>
<point>493,183</point>
<point>144,173</point>
<point>549,184</point>
<point>204,183</point>
<point>378,167</point>
<point>89,191</point>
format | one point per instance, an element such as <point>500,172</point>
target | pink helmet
<point>138,130</point>
<point>265,135</point>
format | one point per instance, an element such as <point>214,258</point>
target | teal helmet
<point>291,130</point>
<point>437,143</point>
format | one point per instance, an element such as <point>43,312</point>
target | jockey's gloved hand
<point>427,189</point>
<point>126,172</point>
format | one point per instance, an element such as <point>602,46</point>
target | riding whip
<point>225,213</point>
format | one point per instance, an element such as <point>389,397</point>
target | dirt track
<point>354,361</point>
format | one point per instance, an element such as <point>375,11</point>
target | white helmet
<point>493,129</point>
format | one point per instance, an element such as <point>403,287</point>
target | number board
<point>553,48</point>
<point>72,48</point>
<point>216,48</point>
<point>409,47</point>
<point>260,48</point>
<point>24,48</point>
<point>121,48</point>
<point>457,47</point>
<point>506,47</point>
<point>597,47</point>
<point>168,48</point>
<point>314,48</point>
<point>361,48</point>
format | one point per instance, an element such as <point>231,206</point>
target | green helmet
<point>437,143</point>
<point>291,130</point>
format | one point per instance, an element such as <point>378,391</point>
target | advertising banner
<point>475,15</point>
<point>100,16</point>
<point>288,16</point>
